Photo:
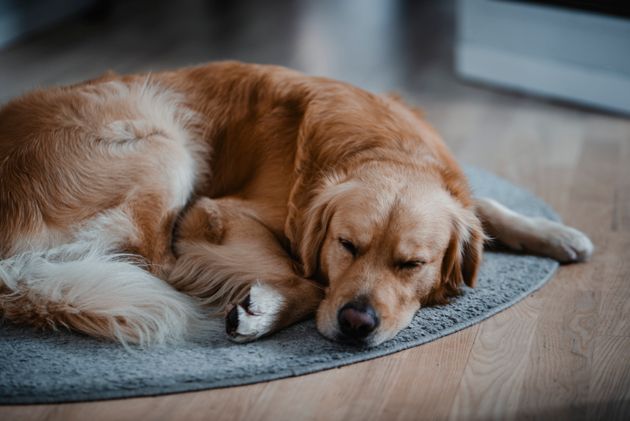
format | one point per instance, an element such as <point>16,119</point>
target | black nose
<point>357,319</point>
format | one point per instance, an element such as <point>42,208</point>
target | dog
<point>131,207</point>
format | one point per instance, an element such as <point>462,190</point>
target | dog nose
<point>357,319</point>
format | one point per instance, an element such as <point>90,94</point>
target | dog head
<point>386,240</point>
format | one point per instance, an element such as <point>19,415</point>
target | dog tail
<point>86,288</point>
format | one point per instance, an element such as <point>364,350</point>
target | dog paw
<point>566,244</point>
<point>256,315</point>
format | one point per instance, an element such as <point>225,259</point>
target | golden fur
<point>287,194</point>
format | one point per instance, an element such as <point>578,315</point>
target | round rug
<point>45,367</point>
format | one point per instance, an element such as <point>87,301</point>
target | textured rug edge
<point>245,381</point>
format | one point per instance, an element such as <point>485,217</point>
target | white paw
<point>566,244</point>
<point>256,315</point>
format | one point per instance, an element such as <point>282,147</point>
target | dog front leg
<point>271,306</point>
<point>226,253</point>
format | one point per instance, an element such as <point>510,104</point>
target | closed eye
<point>410,264</point>
<point>349,246</point>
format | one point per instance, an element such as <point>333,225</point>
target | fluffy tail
<point>88,289</point>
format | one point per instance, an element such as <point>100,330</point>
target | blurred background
<point>434,52</point>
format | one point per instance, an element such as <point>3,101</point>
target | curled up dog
<point>131,207</point>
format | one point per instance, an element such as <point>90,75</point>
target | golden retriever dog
<point>132,207</point>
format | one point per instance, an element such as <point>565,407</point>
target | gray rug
<point>38,367</point>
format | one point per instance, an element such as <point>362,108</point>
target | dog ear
<point>307,225</point>
<point>313,234</point>
<point>471,244</point>
<point>462,257</point>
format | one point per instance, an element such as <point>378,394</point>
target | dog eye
<point>347,244</point>
<point>410,264</point>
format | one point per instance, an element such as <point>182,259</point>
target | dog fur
<point>132,205</point>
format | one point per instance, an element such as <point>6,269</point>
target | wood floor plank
<point>557,374</point>
<point>612,279</point>
<point>489,387</point>
<point>621,223</point>
<point>609,391</point>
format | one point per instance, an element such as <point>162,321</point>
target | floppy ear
<point>307,225</point>
<point>472,248</point>
<point>314,229</point>
<point>462,258</point>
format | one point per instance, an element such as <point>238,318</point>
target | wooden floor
<point>562,353</point>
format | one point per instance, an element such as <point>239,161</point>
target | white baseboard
<point>594,87</point>
<point>562,53</point>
